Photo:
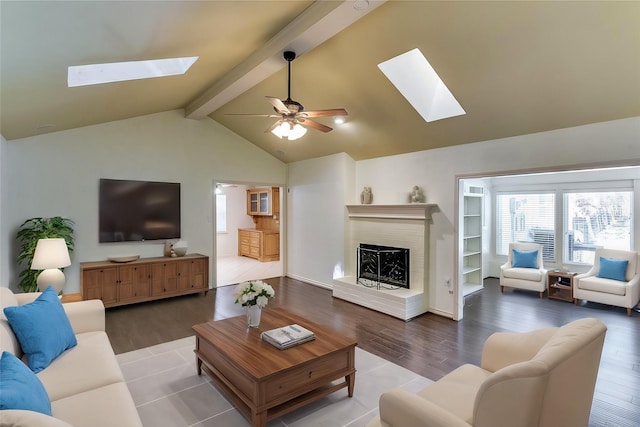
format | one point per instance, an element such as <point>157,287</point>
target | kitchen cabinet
<point>263,245</point>
<point>263,201</point>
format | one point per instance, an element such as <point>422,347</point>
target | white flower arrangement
<point>254,292</point>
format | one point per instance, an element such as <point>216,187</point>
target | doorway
<point>231,215</point>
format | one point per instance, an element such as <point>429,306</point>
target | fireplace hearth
<point>382,267</point>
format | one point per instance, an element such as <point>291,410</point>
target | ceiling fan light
<point>297,131</point>
<point>282,130</point>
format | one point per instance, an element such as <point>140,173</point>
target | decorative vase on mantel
<point>366,197</point>
<point>417,195</point>
<point>253,316</point>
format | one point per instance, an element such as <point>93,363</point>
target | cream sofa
<point>85,384</point>
<point>543,378</point>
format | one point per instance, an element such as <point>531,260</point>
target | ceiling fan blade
<point>254,115</point>
<point>278,104</point>
<point>325,113</point>
<point>313,124</point>
<point>273,126</point>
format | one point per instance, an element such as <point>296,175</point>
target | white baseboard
<point>441,313</point>
<point>310,281</point>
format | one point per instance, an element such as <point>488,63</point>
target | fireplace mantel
<point>412,211</point>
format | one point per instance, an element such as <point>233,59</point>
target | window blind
<point>596,219</point>
<point>526,217</point>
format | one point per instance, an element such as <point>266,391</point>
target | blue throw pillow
<point>20,388</point>
<point>42,328</point>
<point>613,268</point>
<point>524,259</point>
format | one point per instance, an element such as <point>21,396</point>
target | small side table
<point>560,285</point>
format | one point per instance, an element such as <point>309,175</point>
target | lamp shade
<point>282,130</point>
<point>50,253</point>
<point>289,130</point>
<point>297,131</point>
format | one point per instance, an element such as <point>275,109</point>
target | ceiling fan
<point>292,118</point>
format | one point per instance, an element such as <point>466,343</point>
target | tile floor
<point>236,269</point>
<point>168,393</point>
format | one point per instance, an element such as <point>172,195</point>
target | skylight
<point>419,83</point>
<point>94,74</point>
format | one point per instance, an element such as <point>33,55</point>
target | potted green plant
<point>28,235</point>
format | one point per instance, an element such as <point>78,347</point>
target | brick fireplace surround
<point>405,226</point>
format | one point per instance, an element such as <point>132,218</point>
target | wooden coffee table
<point>263,382</point>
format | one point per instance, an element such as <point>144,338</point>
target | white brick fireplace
<point>401,226</point>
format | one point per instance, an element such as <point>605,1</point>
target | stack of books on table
<point>287,336</point>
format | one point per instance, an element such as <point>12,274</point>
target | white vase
<point>366,197</point>
<point>253,316</point>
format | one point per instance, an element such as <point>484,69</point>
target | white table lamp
<point>51,255</point>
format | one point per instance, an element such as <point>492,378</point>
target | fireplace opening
<point>378,265</point>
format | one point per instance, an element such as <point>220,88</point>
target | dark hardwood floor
<point>429,345</point>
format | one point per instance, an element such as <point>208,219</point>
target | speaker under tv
<point>137,211</point>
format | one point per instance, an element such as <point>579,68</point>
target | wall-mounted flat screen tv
<point>136,211</point>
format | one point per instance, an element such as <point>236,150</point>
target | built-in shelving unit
<point>472,241</point>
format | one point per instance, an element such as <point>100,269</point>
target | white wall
<point>319,189</point>
<point>227,243</point>
<point>58,173</point>
<point>392,178</point>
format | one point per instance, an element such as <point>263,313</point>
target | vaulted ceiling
<point>515,67</point>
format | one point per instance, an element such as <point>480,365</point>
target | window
<point>526,217</point>
<point>221,213</point>
<point>595,220</point>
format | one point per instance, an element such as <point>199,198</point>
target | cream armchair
<point>531,279</point>
<point>622,293</point>
<point>543,378</point>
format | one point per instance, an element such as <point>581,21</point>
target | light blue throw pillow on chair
<point>42,328</point>
<point>20,388</point>
<point>613,268</point>
<point>524,259</point>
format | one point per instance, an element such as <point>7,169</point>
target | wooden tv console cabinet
<point>145,279</point>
